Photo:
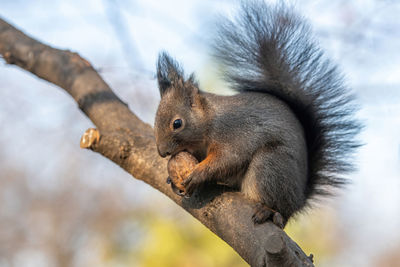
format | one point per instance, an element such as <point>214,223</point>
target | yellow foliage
<point>189,245</point>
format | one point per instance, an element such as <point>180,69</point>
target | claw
<point>278,220</point>
<point>177,190</point>
<point>193,182</point>
<point>263,213</point>
<point>189,190</point>
<point>187,181</point>
<point>190,184</point>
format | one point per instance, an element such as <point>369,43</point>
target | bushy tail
<point>270,49</point>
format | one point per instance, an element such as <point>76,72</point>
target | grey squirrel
<point>288,133</point>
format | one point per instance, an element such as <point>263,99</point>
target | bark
<point>123,138</point>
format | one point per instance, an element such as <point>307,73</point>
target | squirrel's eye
<point>177,124</point>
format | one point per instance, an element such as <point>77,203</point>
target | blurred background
<point>63,206</point>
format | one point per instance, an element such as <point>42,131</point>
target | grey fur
<point>289,132</point>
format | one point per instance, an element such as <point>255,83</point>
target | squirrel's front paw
<point>192,183</point>
<point>176,190</point>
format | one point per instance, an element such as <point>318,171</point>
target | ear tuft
<point>170,76</point>
<point>168,72</point>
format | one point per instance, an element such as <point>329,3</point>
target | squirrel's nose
<point>162,152</point>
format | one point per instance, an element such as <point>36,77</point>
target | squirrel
<point>285,137</point>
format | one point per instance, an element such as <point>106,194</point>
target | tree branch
<point>129,142</point>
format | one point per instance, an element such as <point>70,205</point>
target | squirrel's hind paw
<point>263,213</point>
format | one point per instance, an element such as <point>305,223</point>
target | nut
<point>179,168</point>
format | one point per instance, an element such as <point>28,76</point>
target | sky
<point>123,38</point>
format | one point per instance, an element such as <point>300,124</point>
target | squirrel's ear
<point>168,72</point>
<point>192,90</point>
<point>163,84</point>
